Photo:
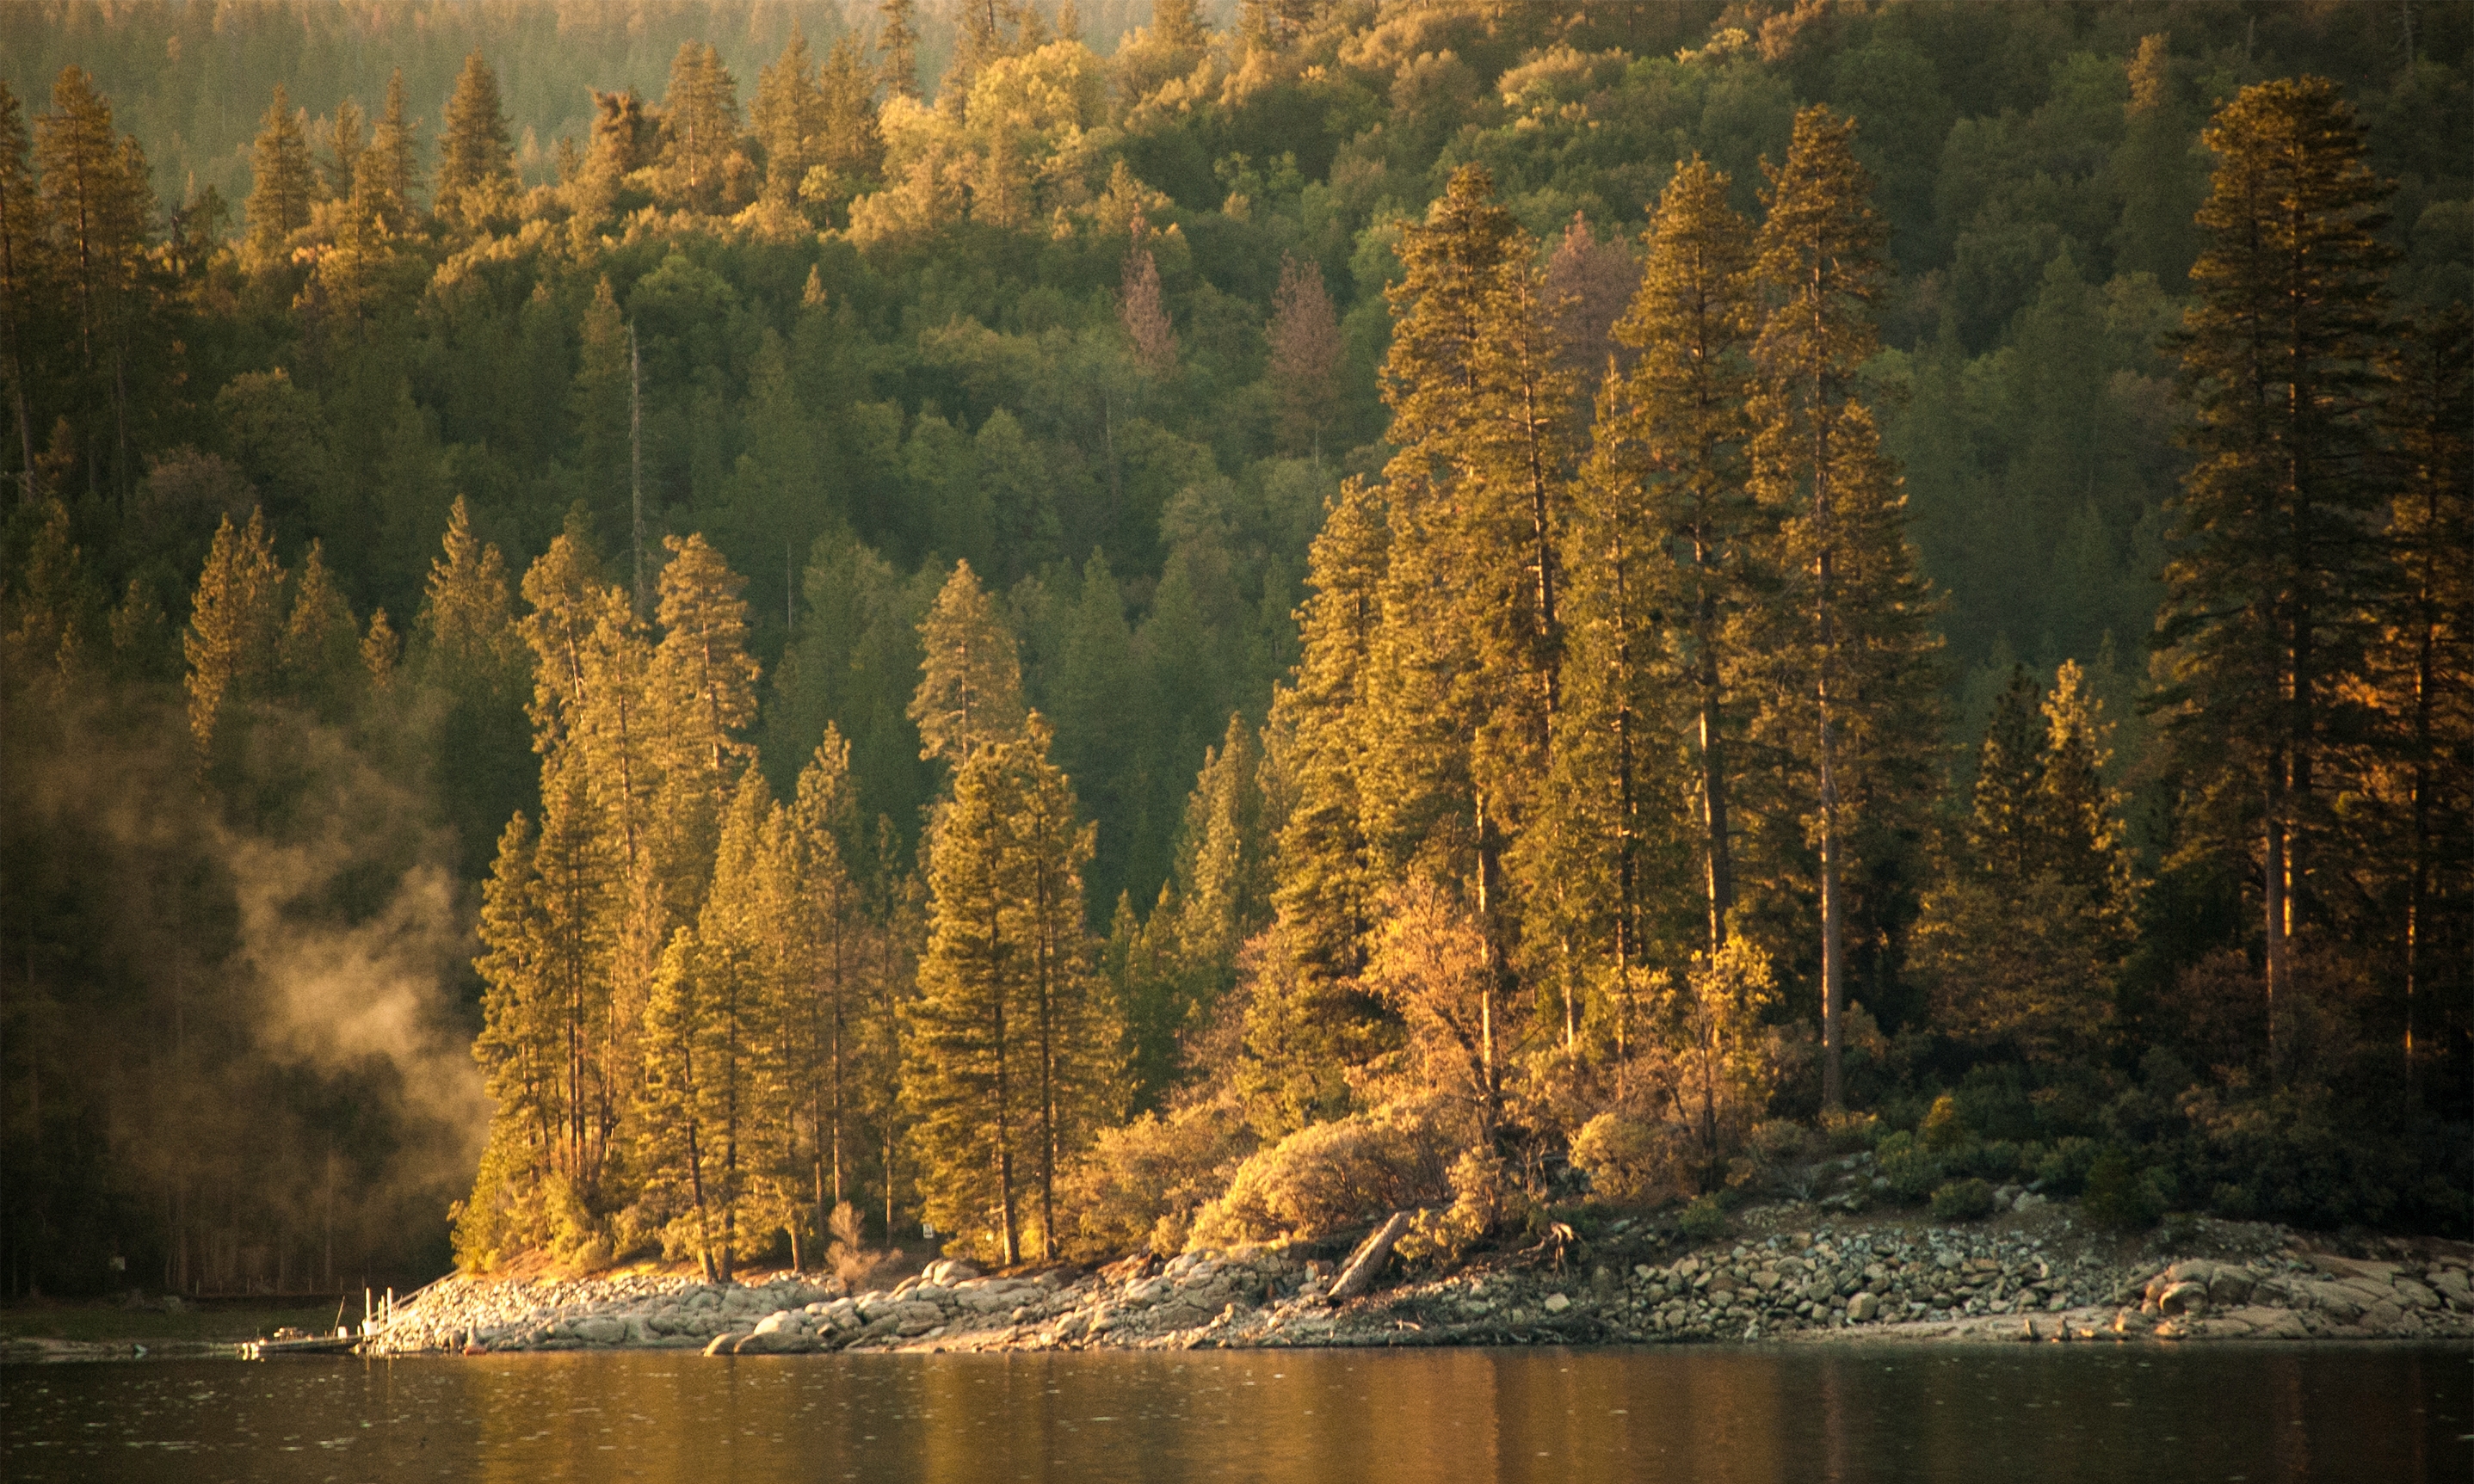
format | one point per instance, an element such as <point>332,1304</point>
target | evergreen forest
<point>739,632</point>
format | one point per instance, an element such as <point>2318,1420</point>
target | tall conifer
<point>1852,650</point>
<point>1015,1048</point>
<point>2266,622</point>
<point>970,676</point>
<point>474,162</point>
<point>1305,1019</point>
<point>1667,549</point>
<point>235,622</point>
<point>1467,660</point>
<point>897,46</point>
<point>2423,668</point>
<point>391,167</point>
<point>100,203</point>
<point>20,267</point>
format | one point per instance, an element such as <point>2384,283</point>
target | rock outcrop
<point>2040,1279</point>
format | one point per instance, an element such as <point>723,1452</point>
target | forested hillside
<point>1436,602</point>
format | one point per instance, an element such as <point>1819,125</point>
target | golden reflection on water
<point>1710,1415</point>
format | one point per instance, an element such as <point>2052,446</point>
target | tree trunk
<point>1488,971</point>
<point>1010,1240</point>
<point>1714,793</point>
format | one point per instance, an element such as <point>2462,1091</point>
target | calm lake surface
<point>1709,1414</point>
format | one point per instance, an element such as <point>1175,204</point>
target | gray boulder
<point>601,1330</point>
<point>787,1340</point>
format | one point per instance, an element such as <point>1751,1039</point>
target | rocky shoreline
<point>1785,1276</point>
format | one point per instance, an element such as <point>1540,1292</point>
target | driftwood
<point>1367,1260</point>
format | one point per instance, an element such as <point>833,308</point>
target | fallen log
<point>1367,1260</point>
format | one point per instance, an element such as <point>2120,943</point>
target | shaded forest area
<point>1072,466</point>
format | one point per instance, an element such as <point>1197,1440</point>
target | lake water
<point>1712,1415</point>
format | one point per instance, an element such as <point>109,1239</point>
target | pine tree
<point>701,166</point>
<point>1078,1036</point>
<point>1304,365</point>
<point>2266,623</point>
<point>700,698</point>
<point>897,46</point>
<point>352,273</point>
<point>1145,317</point>
<point>1178,23</point>
<point>827,1010</point>
<point>965,1080</point>
<point>626,135</point>
<point>346,140</point>
<point>1465,663</point>
<point>1304,1019</point>
<point>392,167</point>
<point>319,654</point>
<point>468,616</point>
<point>2422,666</point>
<point>470,655</point>
<point>85,197</point>
<point>2021,940</point>
<point>1088,686</point>
<point>1222,871</point>
<point>1171,970</point>
<point>2005,829</point>
<point>970,685</point>
<point>790,118</point>
<point>673,1139</point>
<point>599,403</point>
<point>1014,1055</point>
<point>235,622</point>
<point>1667,543</point>
<point>22,276</point>
<point>44,616</point>
<point>474,164</point>
<point>853,145</point>
<point>576,892</point>
<point>596,719</point>
<point>99,200</point>
<point>563,590</point>
<point>518,1053</point>
<point>1852,662</point>
<point>2160,185</point>
<point>702,1121</point>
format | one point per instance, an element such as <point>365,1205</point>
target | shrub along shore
<point>1787,1273</point>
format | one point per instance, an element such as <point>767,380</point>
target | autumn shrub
<point>1992,1159</point>
<point>2119,1194</point>
<point>1843,1132</point>
<point>1704,1220</point>
<point>1782,1140</point>
<point>2299,1153</point>
<point>1328,1177</point>
<point>1945,1127</point>
<point>1914,1170</point>
<point>848,1257</point>
<point>2065,1170</point>
<point>1630,1159</point>
<point>1140,1186</point>
<point>1962,1200</point>
<point>1486,1199</point>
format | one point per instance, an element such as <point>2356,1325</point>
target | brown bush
<point>1631,1159</point>
<point>1328,1177</point>
<point>1140,1186</point>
